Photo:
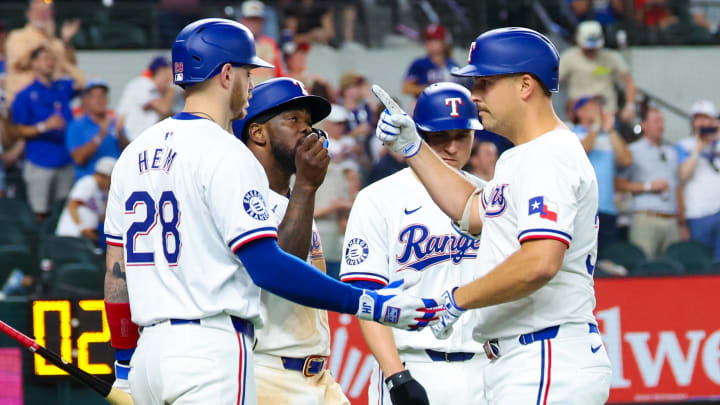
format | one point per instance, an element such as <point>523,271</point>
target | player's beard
<point>238,98</point>
<point>284,155</point>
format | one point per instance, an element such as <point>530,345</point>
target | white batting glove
<point>397,131</point>
<point>390,306</point>
<point>121,377</point>
<point>444,328</point>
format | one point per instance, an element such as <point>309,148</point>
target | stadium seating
<point>12,232</point>
<point>56,251</point>
<point>15,257</point>
<point>713,267</point>
<point>18,211</point>
<point>77,280</point>
<point>50,223</point>
<point>663,266</point>
<point>623,253</point>
<point>694,256</point>
<point>118,35</point>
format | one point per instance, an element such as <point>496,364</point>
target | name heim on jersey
<point>159,159</point>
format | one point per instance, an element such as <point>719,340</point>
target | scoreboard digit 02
<point>75,329</point>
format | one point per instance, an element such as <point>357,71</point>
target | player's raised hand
<point>444,327</point>
<point>395,128</point>
<point>311,160</point>
<point>393,307</point>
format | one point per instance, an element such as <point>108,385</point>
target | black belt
<point>309,366</point>
<point>241,325</point>
<point>450,357</point>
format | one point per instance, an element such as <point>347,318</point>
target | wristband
<point>41,127</point>
<point>96,140</point>
<point>398,379</point>
<point>595,127</point>
<point>124,334</point>
<point>647,187</point>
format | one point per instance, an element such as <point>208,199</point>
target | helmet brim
<point>450,124</point>
<point>467,71</point>
<point>257,62</point>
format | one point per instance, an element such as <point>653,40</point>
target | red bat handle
<point>25,341</point>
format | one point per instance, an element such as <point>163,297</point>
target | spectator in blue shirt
<point>40,114</point>
<point>699,157</point>
<point>653,180</point>
<point>95,134</point>
<point>607,151</point>
<point>435,66</point>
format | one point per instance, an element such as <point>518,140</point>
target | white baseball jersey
<point>137,94</point>
<point>93,198</point>
<point>184,196</point>
<point>290,329</point>
<point>395,228</point>
<point>543,189</point>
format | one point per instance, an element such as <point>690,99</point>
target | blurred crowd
<point>60,139</point>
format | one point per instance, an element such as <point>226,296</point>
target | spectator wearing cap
<point>85,209</point>
<point>607,151</point>
<point>588,69</point>
<point>39,31</point>
<point>147,100</point>
<point>699,157</point>
<point>652,178</point>
<point>40,114</point>
<point>95,134</point>
<point>358,101</point>
<point>253,17</point>
<point>342,148</point>
<point>435,66</point>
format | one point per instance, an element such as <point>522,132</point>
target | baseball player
<point>187,217</point>
<point>538,215</point>
<point>292,348</point>
<point>395,228</point>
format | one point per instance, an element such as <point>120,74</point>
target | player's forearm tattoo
<point>115,284</point>
<point>118,272</point>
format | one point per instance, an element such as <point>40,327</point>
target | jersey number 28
<point>142,228</point>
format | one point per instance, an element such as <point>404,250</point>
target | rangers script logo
<point>495,204</point>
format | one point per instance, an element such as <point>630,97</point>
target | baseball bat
<point>112,395</point>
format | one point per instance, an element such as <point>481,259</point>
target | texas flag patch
<point>543,206</point>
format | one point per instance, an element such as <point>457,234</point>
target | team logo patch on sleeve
<point>356,251</point>
<point>543,206</point>
<point>254,205</point>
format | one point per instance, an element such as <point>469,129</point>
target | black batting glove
<point>405,390</point>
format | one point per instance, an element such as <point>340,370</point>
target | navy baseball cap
<point>157,63</point>
<point>585,99</point>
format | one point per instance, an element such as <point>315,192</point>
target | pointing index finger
<point>385,98</point>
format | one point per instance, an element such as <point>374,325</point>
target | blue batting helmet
<point>203,47</point>
<point>513,50</point>
<point>445,106</point>
<point>273,96</point>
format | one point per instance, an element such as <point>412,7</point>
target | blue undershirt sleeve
<point>286,276</point>
<point>367,285</point>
